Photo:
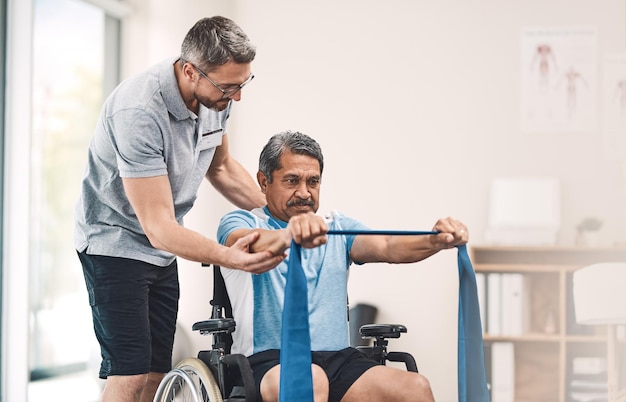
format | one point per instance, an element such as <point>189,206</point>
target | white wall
<point>416,105</point>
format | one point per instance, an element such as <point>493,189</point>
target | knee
<point>134,382</point>
<point>124,387</point>
<point>320,383</point>
<point>153,380</point>
<point>421,385</point>
<point>271,381</point>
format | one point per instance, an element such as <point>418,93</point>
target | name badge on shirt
<point>211,139</point>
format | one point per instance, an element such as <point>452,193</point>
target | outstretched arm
<point>405,249</point>
<point>308,230</point>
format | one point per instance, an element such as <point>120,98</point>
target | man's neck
<point>185,91</point>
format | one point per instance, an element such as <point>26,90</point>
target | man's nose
<point>302,191</point>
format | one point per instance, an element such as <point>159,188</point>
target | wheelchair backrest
<point>221,307</point>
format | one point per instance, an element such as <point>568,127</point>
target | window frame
<point>16,38</point>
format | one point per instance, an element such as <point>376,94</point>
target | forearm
<point>407,249</point>
<point>186,243</point>
<point>236,185</point>
<point>274,241</point>
<point>393,249</point>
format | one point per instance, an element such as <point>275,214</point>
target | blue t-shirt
<point>257,300</point>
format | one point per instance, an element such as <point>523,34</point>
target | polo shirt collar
<point>171,92</point>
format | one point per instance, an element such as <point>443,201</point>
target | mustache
<point>300,203</point>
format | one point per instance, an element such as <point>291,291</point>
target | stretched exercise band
<point>382,232</point>
<point>295,380</point>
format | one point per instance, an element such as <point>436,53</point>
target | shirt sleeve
<point>342,222</point>
<point>138,143</point>
<point>232,221</point>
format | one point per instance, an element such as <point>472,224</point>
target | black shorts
<point>134,307</point>
<point>343,368</point>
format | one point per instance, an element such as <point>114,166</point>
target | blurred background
<point>419,106</point>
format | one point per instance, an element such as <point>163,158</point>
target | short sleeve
<point>232,221</point>
<point>138,143</point>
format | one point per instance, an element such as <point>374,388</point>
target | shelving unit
<point>545,351</point>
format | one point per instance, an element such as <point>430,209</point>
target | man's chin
<point>219,106</point>
<point>302,209</point>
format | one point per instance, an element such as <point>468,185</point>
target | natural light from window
<point>68,70</point>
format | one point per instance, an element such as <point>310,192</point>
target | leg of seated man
<point>389,384</point>
<point>271,380</point>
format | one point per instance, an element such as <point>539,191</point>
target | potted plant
<point>587,232</point>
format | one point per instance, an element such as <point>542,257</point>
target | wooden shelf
<point>545,351</point>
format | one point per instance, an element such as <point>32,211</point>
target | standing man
<point>290,175</point>
<point>158,135</point>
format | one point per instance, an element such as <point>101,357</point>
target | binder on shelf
<point>508,311</point>
<point>494,300</point>
<point>515,315</point>
<point>481,289</point>
<point>502,372</point>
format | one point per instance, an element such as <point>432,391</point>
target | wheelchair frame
<point>216,375</point>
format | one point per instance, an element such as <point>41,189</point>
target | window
<point>2,91</point>
<point>72,64</point>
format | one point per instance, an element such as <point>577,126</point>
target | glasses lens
<point>227,93</point>
<point>240,87</point>
<point>231,91</point>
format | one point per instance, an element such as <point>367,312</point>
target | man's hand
<point>452,233</point>
<point>308,230</point>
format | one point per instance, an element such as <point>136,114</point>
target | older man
<point>290,175</point>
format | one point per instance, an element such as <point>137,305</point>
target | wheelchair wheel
<point>190,381</point>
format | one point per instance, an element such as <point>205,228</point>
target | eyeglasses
<point>226,93</point>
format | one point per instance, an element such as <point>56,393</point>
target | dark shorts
<point>134,307</point>
<point>343,368</point>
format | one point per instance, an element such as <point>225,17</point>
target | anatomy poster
<point>614,106</point>
<point>559,79</point>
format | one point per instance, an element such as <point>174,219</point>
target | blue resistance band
<point>296,382</point>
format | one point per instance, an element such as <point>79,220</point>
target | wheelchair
<point>216,375</point>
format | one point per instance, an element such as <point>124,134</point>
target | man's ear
<point>187,71</point>
<point>262,179</point>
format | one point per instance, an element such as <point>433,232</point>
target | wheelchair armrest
<point>382,330</point>
<point>403,357</point>
<point>215,325</point>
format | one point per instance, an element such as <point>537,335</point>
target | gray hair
<point>291,141</point>
<point>215,41</point>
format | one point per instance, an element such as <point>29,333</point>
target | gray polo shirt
<point>144,130</point>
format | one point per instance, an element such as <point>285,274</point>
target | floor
<point>78,387</point>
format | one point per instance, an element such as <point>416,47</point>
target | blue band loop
<point>296,382</point>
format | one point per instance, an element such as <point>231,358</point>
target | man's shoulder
<point>140,91</point>
<point>338,220</point>
<point>238,214</point>
<point>237,219</point>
